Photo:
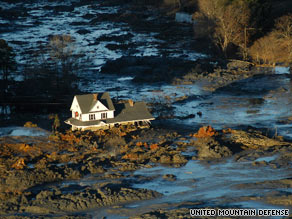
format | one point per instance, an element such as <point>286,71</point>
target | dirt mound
<point>253,139</point>
<point>213,144</point>
<point>209,148</point>
<point>84,198</point>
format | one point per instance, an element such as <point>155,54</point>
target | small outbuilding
<point>97,111</point>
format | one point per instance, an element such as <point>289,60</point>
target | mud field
<point>222,137</point>
<point>129,172</point>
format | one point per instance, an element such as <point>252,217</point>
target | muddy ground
<point>33,169</point>
<point>75,173</point>
<point>163,171</point>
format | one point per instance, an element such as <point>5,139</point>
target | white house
<point>97,111</point>
<point>90,107</point>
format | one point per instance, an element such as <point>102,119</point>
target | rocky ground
<point>36,171</point>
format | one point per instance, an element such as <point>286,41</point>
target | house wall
<point>98,107</point>
<point>74,115</point>
<point>110,115</point>
<point>75,108</point>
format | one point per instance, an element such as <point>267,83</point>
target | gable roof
<point>87,101</point>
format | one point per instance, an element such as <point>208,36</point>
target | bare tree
<point>209,7</point>
<point>7,59</point>
<point>267,50</point>
<point>283,32</point>
<point>63,52</point>
<point>277,45</point>
<point>261,51</point>
<point>231,23</point>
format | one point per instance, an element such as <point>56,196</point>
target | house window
<point>104,116</point>
<point>91,116</point>
<point>76,114</point>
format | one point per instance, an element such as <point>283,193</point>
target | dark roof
<point>87,101</point>
<point>124,113</point>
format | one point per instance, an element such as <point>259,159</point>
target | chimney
<point>131,102</point>
<point>95,97</point>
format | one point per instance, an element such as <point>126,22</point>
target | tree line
<point>57,58</point>
<point>245,29</point>
<point>51,68</point>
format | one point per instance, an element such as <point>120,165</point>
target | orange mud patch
<point>19,164</point>
<point>30,125</point>
<point>19,149</point>
<point>141,144</point>
<point>131,156</point>
<point>154,147</point>
<point>70,138</point>
<point>205,131</point>
<point>227,131</point>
